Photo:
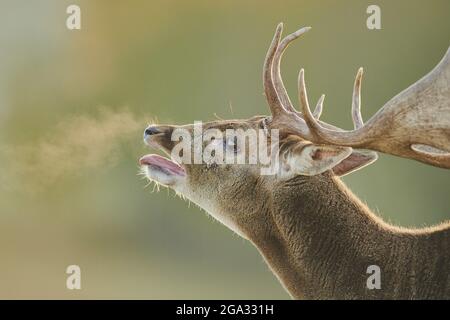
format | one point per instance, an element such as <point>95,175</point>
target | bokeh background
<point>73,105</point>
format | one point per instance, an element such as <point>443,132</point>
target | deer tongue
<point>165,164</point>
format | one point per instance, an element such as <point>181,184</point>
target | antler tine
<point>356,101</point>
<point>276,73</point>
<point>270,90</point>
<point>319,106</point>
<point>415,124</point>
<point>321,134</point>
<point>310,120</point>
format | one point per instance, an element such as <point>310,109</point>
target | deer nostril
<point>150,131</point>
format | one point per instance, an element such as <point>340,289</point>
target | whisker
<point>230,105</point>
<point>217,117</point>
<point>149,183</point>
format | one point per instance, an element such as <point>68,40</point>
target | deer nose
<point>151,131</point>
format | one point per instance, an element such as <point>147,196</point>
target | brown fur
<point>316,236</point>
<point>329,238</point>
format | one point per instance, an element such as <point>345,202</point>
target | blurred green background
<point>73,105</point>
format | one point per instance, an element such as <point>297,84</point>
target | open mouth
<point>156,162</point>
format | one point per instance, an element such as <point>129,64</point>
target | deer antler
<point>279,103</point>
<point>415,124</point>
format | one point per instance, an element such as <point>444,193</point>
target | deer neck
<point>321,237</point>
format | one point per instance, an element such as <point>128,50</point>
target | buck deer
<point>316,236</point>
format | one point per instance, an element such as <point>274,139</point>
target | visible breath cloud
<point>75,144</point>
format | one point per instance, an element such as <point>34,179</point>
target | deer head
<point>414,124</point>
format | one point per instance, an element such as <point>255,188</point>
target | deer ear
<point>355,161</point>
<point>314,159</point>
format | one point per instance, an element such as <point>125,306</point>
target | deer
<point>315,235</point>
